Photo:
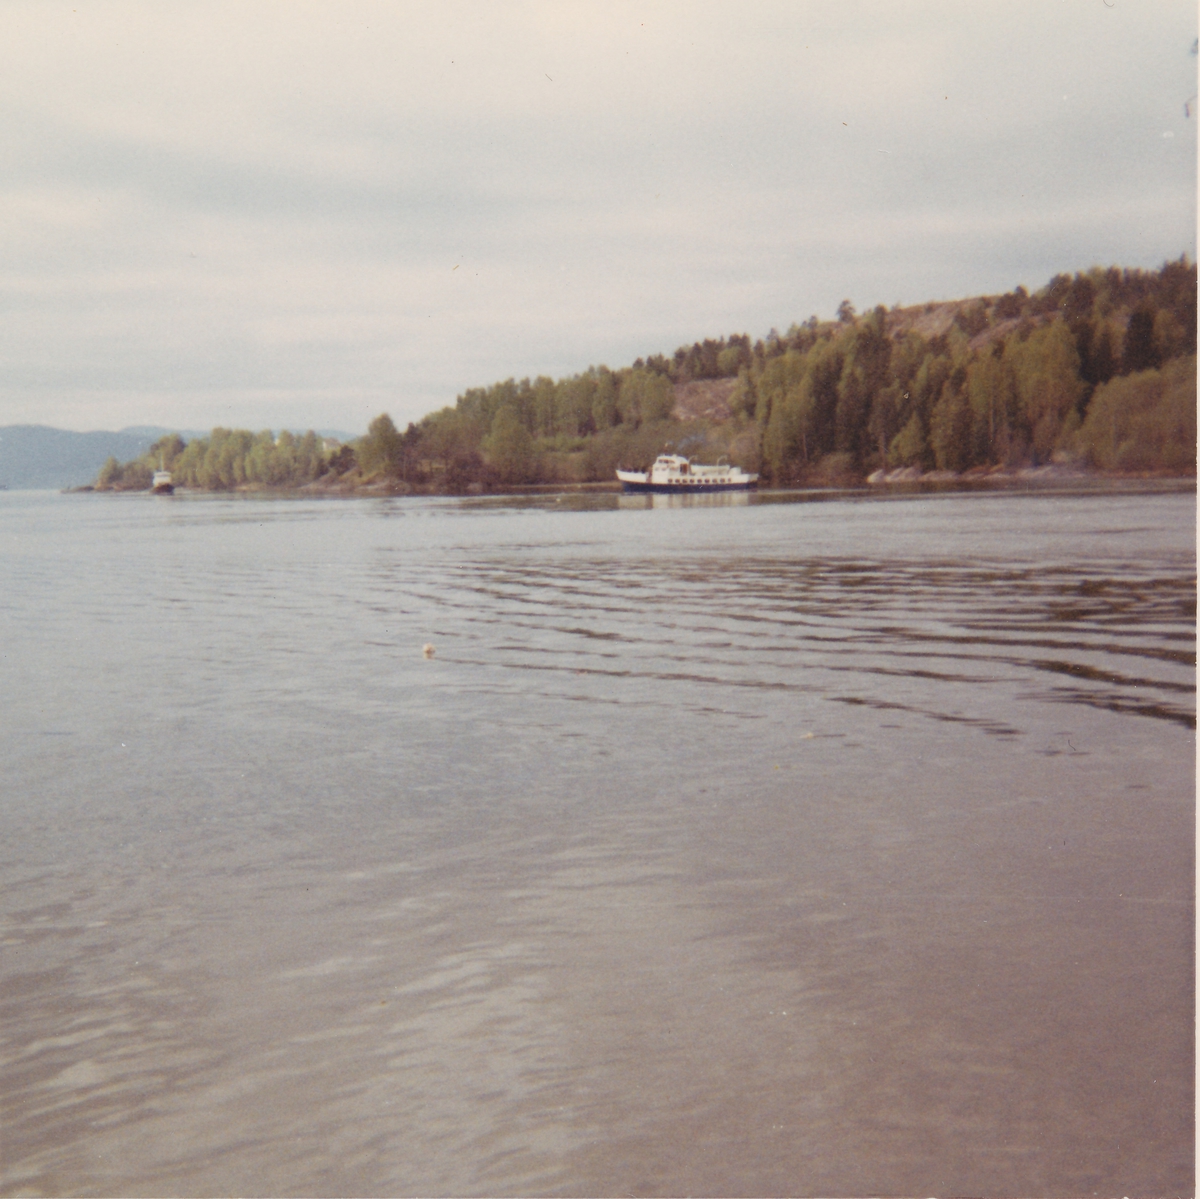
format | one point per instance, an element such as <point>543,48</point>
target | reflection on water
<point>711,499</point>
<point>724,848</point>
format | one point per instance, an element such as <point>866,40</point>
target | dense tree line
<point>226,459</point>
<point>1098,369</point>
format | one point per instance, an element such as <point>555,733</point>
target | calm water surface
<point>808,848</point>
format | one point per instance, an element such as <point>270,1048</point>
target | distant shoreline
<point>897,481</point>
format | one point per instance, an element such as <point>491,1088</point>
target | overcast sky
<point>294,215</point>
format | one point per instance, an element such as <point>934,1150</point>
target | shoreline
<point>905,479</point>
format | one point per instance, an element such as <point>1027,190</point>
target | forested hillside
<point>1095,370</point>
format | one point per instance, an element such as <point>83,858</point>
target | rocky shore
<point>977,474</point>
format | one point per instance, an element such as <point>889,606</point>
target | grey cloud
<point>731,170</point>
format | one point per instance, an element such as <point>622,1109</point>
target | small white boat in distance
<point>162,484</point>
<point>673,474</point>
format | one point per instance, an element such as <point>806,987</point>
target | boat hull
<point>632,488</point>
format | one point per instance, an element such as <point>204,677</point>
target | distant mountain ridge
<point>38,457</point>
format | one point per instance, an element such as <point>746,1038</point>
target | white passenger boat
<point>673,474</point>
<point>162,484</point>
